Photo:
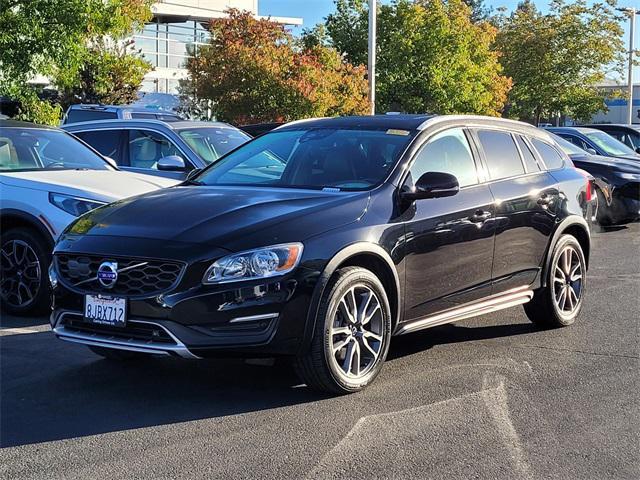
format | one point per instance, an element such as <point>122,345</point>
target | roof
<point>404,122</point>
<point>173,125</point>
<point>133,108</point>
<point>413,122</point>
<point>18,124</point>
<point>584,130</point>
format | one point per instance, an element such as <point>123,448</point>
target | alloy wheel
<point>357,332</point>
<point>20,273</point>
<point>567,281</point>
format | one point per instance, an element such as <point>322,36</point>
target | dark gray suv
<point>158,148</point>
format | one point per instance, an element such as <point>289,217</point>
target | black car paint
<point>622,195</point>
<point>431,254</point>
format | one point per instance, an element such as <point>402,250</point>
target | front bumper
<point>249,318</point>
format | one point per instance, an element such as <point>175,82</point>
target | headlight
<point>630,176</point>
<point>255,264</point>
<point>76,206</point>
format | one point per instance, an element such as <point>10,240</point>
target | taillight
<point>589,190</point>
<point>589,186</point>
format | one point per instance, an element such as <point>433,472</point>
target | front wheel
<point>559,303</point>
<point>352,333</point>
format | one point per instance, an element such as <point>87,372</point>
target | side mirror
<point>591,151</point>
<point>193,173</point>
<point>433,185</point>
<point>111,162</point>
<point>171,163</point>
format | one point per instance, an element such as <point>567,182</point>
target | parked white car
<point>48,178</point>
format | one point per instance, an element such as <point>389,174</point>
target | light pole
<point>372,55</point>
<point>632,19</point>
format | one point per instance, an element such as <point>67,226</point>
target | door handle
<point>545,199</point>
<point>480,216</point>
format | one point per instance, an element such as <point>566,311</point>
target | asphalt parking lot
<point>492,397</point>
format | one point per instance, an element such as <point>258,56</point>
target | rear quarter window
<point>550,156</point>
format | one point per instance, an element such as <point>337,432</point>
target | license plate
<point>105,310</point>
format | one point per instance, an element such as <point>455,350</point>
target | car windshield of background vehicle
<point>610,145</point>
<point>567,147</point>
<point>212,143</point>
<point>317,158</point>
<point>38,149</point>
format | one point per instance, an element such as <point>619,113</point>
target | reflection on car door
<point>526,197</point>
<point>449,241</point>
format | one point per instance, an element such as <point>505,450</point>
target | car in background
<point>88,112</point>
<point>257,129</point>
<point>616,181</point>
<point>324,238</point>
<point>154,147</point>
<point>595,142</point>
<point>627,134</point>
<point>48,179</point>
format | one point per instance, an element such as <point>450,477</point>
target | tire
<point>25,257</point>
<point>546,308</point>
<point>364,332</point>
<point>119,355</point>
<point>602,215</point>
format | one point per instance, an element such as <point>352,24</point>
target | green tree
<point>557,60</point>
<point>432,56</point>
<point>108,74</point>
<point>255,71</point>
<point>45,37</point>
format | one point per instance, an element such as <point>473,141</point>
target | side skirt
<point>510,298</point>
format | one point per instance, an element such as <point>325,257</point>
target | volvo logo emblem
<point>108,274</point>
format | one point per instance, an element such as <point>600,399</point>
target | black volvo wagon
<point>323,239</point>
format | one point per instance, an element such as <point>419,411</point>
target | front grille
<point>145,332</point>
<point>136,277</point>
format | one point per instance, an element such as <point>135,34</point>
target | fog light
<point>53,277</point>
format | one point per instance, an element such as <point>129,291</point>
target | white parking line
<point>24,330</point>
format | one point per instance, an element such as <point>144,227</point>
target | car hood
<point>102,185</point>
<point>227,217</point>
<point>615,163</point>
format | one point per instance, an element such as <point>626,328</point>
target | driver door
<point>449,240</point>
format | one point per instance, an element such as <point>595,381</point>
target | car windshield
<point>317,158</point>
<point>39,149</point>
<point>210,143</point>
<point>608,144</point>
<point>567,147</point>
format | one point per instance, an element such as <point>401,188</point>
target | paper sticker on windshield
<point>395,131</point>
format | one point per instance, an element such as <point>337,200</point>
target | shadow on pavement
<point>51,390</point>
<point>12,321</point>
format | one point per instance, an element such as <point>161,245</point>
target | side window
<point>529,160</point>
<point>503,159</point>
<point>76,115</point>
<point>447,152</point>
<point>575,140</point>
<point>107,142</point>
<point>147,147</point>
<point>552,158</point>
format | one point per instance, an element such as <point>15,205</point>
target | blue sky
<point>313,11</point>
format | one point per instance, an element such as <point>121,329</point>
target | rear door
<point>526,197</point>
<point>448,241</point>
<point>109,143</point>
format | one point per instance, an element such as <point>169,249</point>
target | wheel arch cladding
<point>369,256</point>
<point>578,228</point>
<point>10,219</point>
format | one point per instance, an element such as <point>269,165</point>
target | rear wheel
<point>24,262</point>
<point>352,334</point>
<point>559,303</point>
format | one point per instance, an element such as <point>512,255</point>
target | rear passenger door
<point>526,196</point>
<point>110,143</point>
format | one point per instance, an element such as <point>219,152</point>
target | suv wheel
<point>352,334</point>
<point>558,304</point>
<point>24,262</point>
